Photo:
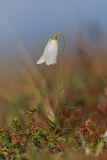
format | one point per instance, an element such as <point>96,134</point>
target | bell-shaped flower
<point>50,52</point>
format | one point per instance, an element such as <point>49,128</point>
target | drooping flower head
<point>51,51</point>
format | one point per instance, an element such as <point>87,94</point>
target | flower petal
<point>42,59</point>
<point>52,52</point>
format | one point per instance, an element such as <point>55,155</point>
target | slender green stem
<point>61,71</point>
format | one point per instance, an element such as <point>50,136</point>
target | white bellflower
<point>50,52</point>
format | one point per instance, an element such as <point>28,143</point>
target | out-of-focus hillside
<point>29,91</point>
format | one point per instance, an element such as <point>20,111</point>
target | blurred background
<point>25,27</point>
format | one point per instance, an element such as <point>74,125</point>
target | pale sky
<point>35,20</point>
